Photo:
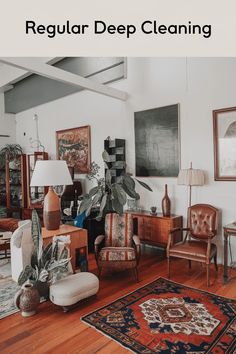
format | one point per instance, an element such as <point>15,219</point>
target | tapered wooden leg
<point>215,261</point>
<point>208,271</point>
<point>136,274</point>
<point>189,264</point>
<point>168,267</point>
<point>99,272</point>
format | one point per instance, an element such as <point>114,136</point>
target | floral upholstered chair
<point>118,249</point>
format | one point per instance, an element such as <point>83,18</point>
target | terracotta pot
<point>27,300</point>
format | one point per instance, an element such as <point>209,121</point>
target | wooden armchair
<point>197,244</point>
<point>118,249</point>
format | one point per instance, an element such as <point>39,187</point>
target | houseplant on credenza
<point>111,197</point>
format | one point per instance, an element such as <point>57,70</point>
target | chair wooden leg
<point>189,264</point>
<point>168,267</point>
<point>136,274</point>
<point>99,272</point>
<point>208,273</point>
<point>215,261</point>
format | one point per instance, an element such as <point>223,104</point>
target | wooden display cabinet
<point>35,195</point>
<point>16,186</point>
<point>154,229</point>
<point>3,194</point>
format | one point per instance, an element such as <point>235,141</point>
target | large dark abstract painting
<point>157,141</point>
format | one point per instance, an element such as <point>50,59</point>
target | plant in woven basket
<point>46,263</point>
<point>10,152</point>
<point>110,196</point>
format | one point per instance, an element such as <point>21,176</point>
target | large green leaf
<point>129,182</point>
<point>106,156</point>
<point>97,197</point>
<point>36,234</point>
<point>117,207</point>
<point>131,192</point>
<point>55,250</point>
<point>143,184</point>
<point>103,203</point>
<point>120,194</point>
<point>85,204</point>
<point>93,191</point>
<point>25,275</point>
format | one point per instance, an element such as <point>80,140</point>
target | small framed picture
<point>224,129</point>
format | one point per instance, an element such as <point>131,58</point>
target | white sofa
<point>21,248</point>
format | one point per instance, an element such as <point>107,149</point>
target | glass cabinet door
<point>3,193</point>
<point>35,195</point>
<point>15,185</point>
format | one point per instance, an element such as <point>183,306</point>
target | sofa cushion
<point>17,234</point>
<point>117,254</point>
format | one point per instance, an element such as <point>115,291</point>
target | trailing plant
<point>46,263</point>
<point>110,196</point>
<point>10,152</point>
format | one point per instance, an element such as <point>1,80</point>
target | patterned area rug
<point>8,288</point>
<point>166,317</point>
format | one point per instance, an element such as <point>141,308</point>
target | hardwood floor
<point>52,331</point>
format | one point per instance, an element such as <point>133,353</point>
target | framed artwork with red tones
<point>224,128</point>
<point>74,146</point>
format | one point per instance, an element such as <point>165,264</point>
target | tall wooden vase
<point>166,203</point>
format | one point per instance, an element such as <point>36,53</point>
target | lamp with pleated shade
<point>191,177</point>
<point>49,173</point>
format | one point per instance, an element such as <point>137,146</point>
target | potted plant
<point>10,152</point>
<point>110,196</point>
<point>46,263</point>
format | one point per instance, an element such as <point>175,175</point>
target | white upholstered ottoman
<point>68,291</point>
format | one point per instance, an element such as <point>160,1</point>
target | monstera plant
<point>10,152</point>
<point>110,196</point>
<point>46,262</point>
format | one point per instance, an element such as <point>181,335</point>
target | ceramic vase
<point>166,203</point>
<point>27,300</point>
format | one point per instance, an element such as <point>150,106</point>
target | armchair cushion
<point>192,249</point>
<point>117,254</point>
<point>118,230</point>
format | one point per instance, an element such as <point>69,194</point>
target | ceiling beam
<point>54,73</point>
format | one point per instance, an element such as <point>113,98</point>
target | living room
<point>121,92</point>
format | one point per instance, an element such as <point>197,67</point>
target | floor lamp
<point>191,177</point>
<point>51,173</point>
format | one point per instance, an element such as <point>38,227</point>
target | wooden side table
<point>229,230</point>
<point>79,240</point>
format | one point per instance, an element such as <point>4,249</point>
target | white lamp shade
<point>191,177</point>
<point>50,173</point>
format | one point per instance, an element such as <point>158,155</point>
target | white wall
<point>7,125</point>
<point>199,85</point>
